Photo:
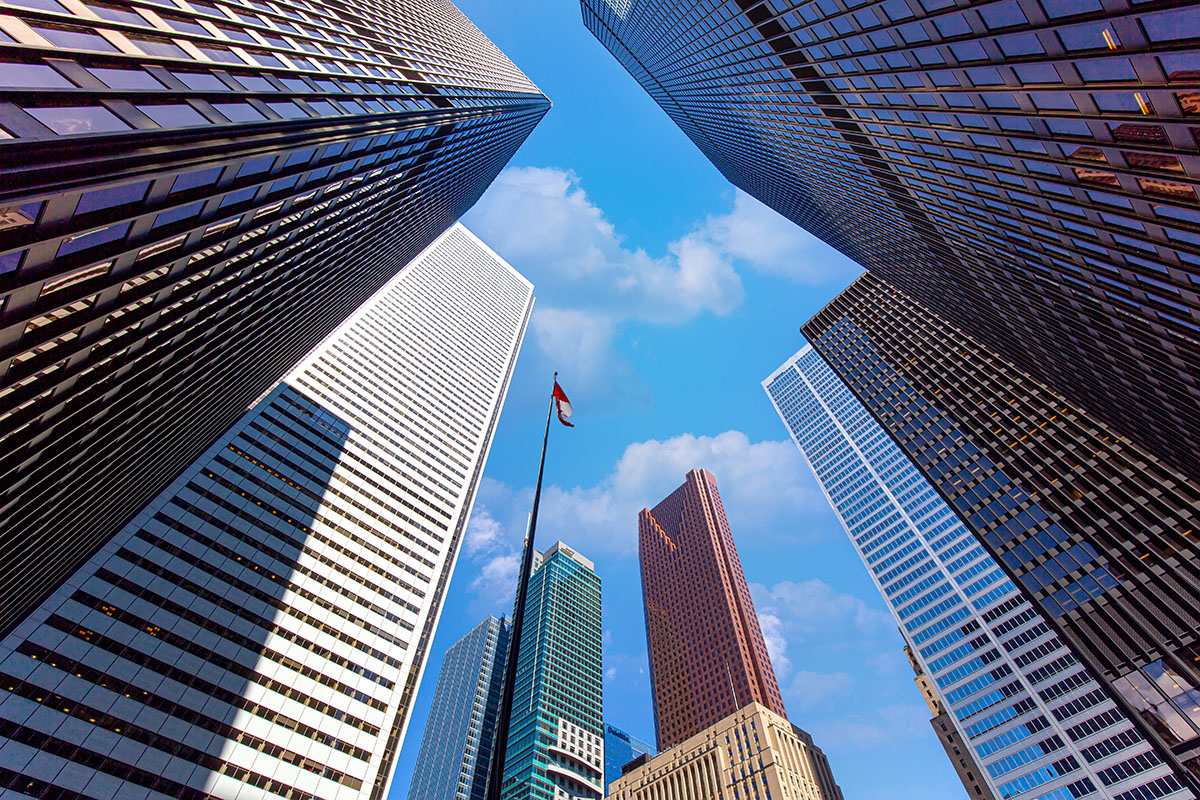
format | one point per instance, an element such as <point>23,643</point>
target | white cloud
<point>590,282</point>
<point>484,533</point>
<point>495,583</point>
<point>767,242</point>
<point>766,489</point>
<point>821,618</point>
<point>541,220</point>
<point>810,689</point>
<point>813,605</point>
<point>894,723</point>
<point>776,641</point>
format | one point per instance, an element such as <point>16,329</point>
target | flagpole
<point>500,740</point>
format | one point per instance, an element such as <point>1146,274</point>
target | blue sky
<point>664,297</point>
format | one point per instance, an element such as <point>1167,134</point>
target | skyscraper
<point>961,755</point>
<point>556,736</point>
<point>260,628</point>
<point>194,195</point>
<point>1026,169</point>
<point>456,749</point>
<point>1097,531</point>
<point>707,654</point>
<point>1002,685</point>
<point>619,749</point>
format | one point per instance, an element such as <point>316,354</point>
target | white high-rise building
<point>260,629</point>
<point>1037,723</point>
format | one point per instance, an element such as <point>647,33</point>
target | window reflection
<point>1154,707</point>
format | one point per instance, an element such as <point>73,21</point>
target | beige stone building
<point>752,754</point>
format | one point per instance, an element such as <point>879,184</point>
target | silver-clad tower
<point>456,749</point>
<point>259,630</point>
<point>1038,723</point>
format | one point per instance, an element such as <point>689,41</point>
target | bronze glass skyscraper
<point>194,195</point>
<point>1027,169</point>
<point>707,654</point>
<point>1099,532</point>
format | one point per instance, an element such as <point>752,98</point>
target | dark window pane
<point>256,166</point>
<point>78,119</point>
<point>1020,44</point>
<point>176,214</point>
<point>221,54</point>
<point>255,84</point>
<point>31,76</point>
<point>125,78</point>
<point>112,196</point>
<point>238,112</point>
<point>1106,69</point>
<point>75,40</point>
<point>287,110</point>
<point>41,5</point>
<point>201,81</point>
<point>118,15</point>
<point>1037,73</point>
<point>238,35</point>
<point>83,241</point>
<point>238,197</point>
<point>1181,66</point>
<point>1003,15</point>
<point>185,26</point>
<point>1181,23</point>
<point>174,116</point>
<point>191,180</point>
<point>1066,8</point>
<point>158,47</point>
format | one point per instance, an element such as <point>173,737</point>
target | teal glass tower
<point>457,747</point>
<point>556,736</point>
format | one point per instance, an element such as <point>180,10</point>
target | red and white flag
<point>563,405</point>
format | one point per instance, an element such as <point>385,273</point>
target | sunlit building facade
<point>556,735</point>
<point>707,653</point>
<point>259,630</point>
<point>1097,531</point>
<point>1026,169</point>
<point>1000,682</point>
<point>752,754</point>
<point>456,749</point>
<point>194,195</point>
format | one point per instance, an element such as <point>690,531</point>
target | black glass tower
<point>1027,169</point>
<point>1100,533</point>
<point>193,195</point>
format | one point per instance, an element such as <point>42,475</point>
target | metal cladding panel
<point>194,196</point>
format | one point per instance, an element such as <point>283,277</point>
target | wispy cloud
<point>590,283</point>
<point>766,489</point>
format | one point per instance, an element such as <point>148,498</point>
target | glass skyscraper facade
<point>1098,532</point>
<point>556,735</point>
<point>259,630</point>
<point>619,749</point>
<point>707,653</point>
<point>1026,169</point>
<point>1036,721</point>
<point>194,195</point>
<point>456,749</point>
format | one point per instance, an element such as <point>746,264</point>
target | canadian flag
<point>563,405</point>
